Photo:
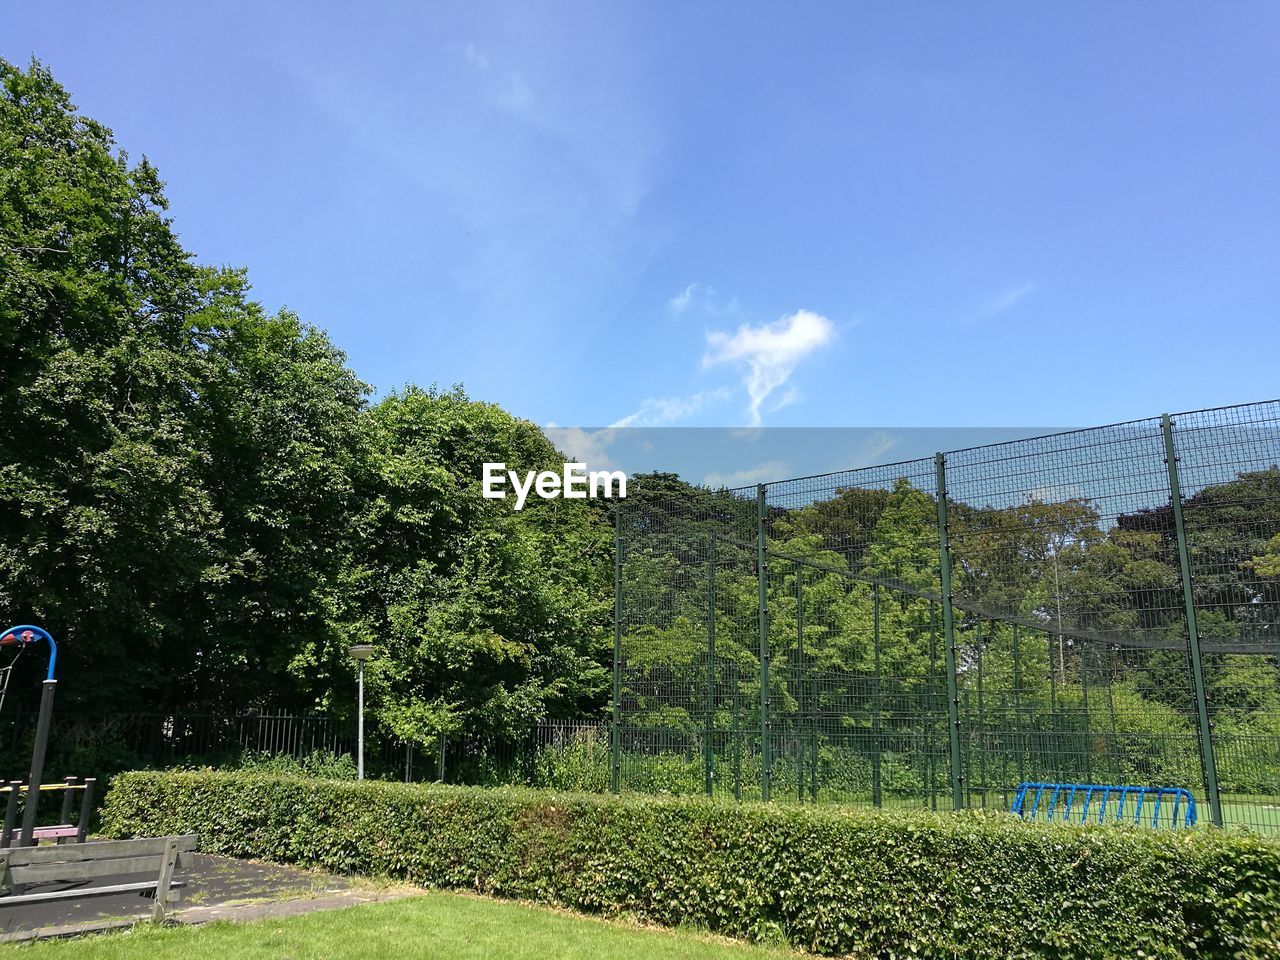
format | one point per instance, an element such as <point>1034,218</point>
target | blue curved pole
<point>28,633</point>
<point>41,634</point>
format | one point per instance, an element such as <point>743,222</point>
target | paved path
<point>217,888</point>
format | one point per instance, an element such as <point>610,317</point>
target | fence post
<point>1088,722</point>
<point>801,718</point>
<point>708,753</point>
<point>766,760</point>
<point>876,745</point>
<point>1017,705</point>
<point>1208,762</point>
<point>615,732</point>
<point>949,637</point>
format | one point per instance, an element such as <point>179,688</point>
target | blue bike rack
<point>1071,802</point>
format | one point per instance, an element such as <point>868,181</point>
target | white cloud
<point>680,302</point>
<point>760,473</point>
<point>583,446</point>
<point>770,352</point>
<point>703,297</point>
<point>1006,300</point>
<point>657,411</point>
<point>787,399</point>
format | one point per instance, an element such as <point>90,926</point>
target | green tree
<point>487,619</point>
<point>175,465</point>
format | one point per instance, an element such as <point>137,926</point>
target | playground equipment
<point>1110,803</point>
<point>64,830</point>
<point>18,639</point>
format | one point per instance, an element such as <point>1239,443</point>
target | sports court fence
<point>1094,607</point>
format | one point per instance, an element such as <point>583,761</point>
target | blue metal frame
<point>1069,791</point>
<point>40,634</point>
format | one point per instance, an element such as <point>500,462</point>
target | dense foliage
<point>860,884</point>
<point>198,500</point>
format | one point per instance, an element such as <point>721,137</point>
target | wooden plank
<point>23,856</point>
<point>167,864</point>
<point>52,833</point>
<point>85,869</point>
<point>25,898</point>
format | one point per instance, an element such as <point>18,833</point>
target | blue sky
<point>727,214</point>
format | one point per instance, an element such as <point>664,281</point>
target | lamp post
<point>360,653</point>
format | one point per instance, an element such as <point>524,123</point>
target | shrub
<point>867,884</point>
<point>322,764</point>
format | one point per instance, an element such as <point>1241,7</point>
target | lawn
<point>442,926</point>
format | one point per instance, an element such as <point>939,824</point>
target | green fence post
<point>932,696</point>
<point>766,759</point>
<point>1208,763</point>
<point>876,746</point>
<point>949,637</point>
<point>982,732</point>
<point>708,752</point>
<point>1019,738</point>
<point>737,731</point>
<point>615,731</point>
<point>798,727</point>
<point>815,704</point>
<point>1088,722</point>
<point>1114,740</point>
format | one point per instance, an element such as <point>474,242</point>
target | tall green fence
<point>1100,606</point>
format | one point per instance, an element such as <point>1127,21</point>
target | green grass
<point>442,926</point>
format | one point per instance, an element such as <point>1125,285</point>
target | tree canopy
<point>198,499</point>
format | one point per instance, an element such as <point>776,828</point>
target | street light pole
<point>360,653</point>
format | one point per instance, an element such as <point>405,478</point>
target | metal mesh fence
<point>1099,607</point>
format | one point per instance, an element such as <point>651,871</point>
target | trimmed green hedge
<point>868,884</point>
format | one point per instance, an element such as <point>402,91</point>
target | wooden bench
<point>80,862</point>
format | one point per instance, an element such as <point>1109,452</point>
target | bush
<point>869,884</point>
<point>322,764</point>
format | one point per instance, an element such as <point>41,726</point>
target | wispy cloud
<point>583,446</point>
<point>659,411</point>
<point>680,302</point>
<point>760,473</point>
<point>873,450</point>
<point>704,297</point>
<point>1005,300</point>
<point>769,352</point>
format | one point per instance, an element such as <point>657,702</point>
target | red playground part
<point>55,833</point>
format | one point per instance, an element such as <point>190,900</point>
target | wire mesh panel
<point>854,631</point>
<point>796,641</point>
<point>1229,474</point>
<point>1068,532</point>
<point>1072,654</point>
<point>686,666</point>
<point>880,523</point>
<point>1094,713</point>
<point>860,713</point>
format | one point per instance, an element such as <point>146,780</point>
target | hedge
<point>866,884</point>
